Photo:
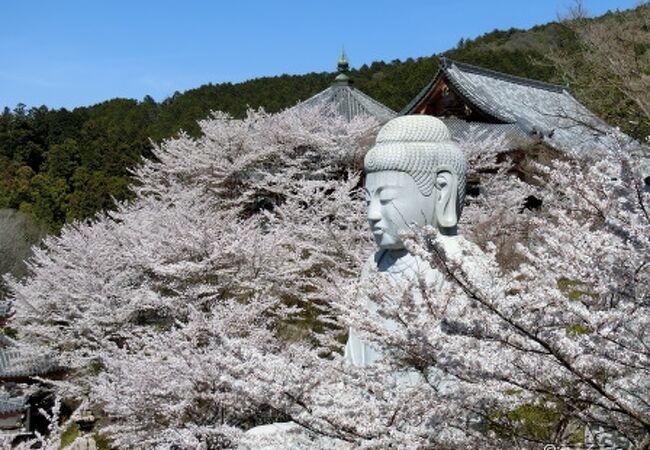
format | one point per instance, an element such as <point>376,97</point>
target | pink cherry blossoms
<point>220,297</point>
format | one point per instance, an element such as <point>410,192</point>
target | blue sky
<point>71,53</point>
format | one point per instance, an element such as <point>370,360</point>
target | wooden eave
<point>15,413</point>
<point>443,99</point>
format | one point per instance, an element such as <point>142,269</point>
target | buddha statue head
<point>415,175</point>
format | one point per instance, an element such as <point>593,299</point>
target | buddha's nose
<point>374,212</point>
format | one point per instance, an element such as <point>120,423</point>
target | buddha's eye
<point>388,195</point>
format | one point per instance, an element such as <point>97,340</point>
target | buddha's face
<point>395,203</point>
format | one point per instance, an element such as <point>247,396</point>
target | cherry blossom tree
<point>228,238</point>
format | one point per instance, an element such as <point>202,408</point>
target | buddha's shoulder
<point>463,251</point>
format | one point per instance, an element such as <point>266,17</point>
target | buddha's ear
<point>446,187</point>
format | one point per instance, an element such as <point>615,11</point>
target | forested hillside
<point>60,165</point>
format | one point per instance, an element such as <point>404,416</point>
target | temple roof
<point>351,102</point>
<point>544,110</point>
<point>6,308</point>
<point>23,363</point>
<point>463,131</point>
<point>12,404</point>
<point>20,363</point>
<point>348,100</point>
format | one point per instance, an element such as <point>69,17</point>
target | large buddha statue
<point>415,176</point>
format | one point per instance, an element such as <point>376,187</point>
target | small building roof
<point>543,110</point>
<point>19,362</point>
<point>347,100</point>
<point>513,136</point>
<point>6,309</point>
<point>6,341</point>
<point>10,405</point>
<point>351,102</point>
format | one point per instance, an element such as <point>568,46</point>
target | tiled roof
<point>6,341</point>
<point>6,308</point>
<point>546,110</point>
<point>351,102</point>
<point>347,100</point>
<point>21,362</point>
<point>512,134</point>
<point>12,405</point>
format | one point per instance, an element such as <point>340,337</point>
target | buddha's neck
<point>393,260</point>
<point>398,260</point>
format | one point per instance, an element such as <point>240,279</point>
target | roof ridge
<point>355,100</point>
<point>477,102</point>
<point>366,97</point>
<point>446,63</point>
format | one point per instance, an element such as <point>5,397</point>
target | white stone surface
<point>415,177</point>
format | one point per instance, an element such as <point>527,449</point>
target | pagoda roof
<point>22,362</point>
<point>547,111</point>
<point>347,100</point>
<point>10,405</point>
<point>350,102</point>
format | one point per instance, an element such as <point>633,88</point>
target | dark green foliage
<point>546,420</point>
<point>9,332</point>
<point>574,289</point>
<point>101,441</point>
<point>395,84</point>
<point>523,63</point>
<point>578,329</point>
<point>58,165</point>
<point>69,435</point>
